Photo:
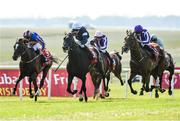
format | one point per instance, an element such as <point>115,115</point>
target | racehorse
<point>31,65</point>
<point>141,62</point>
<point>79,65</point>
<point>169,67</point>
<point>117,72</point>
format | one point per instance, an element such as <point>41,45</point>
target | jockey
<point>155,39</point>
<point>100,41</point>
<point>36,42</point>
<point>143,37</point>
<point>82,35</point>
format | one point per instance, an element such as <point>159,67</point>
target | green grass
<point>116,107</point>
<point>54,39</point>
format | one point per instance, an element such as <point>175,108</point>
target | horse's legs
<point>106,85</point>
<point>45,71</point>
<point>147,79</point>
<point>160,83</point>
<point>170,80</point>
<point>117,73</point>
<point>144,82</point>
<point>70,78</point>
<point>33,77</point>
<point>130,83</point>
<point>17,82</point>
<point>30,89</point>
<point>84,88</point>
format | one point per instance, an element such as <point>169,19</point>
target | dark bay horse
<point>169,66</point>
<point>79,64</point>
<point>117,72</point>
<point>31,65</point>
<point>140,62</point>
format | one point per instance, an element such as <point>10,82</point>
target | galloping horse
<point>117,71</point>
<point>140,62</point>
<point>169,67</point>
<point>79,65</point>
<point>31,65</point>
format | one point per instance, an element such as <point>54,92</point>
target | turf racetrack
<point>116,107</point>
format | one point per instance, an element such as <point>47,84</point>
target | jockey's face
<point>98,38</point>
<point>75,32</point>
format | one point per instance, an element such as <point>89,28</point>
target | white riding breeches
<point>37,46</point>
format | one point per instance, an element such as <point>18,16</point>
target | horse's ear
<point>65,33</point>
<point>130,31</point>
<point>127,32</point>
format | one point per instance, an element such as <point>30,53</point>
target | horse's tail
<point>55,59</point>
<point>118,55</point>
<point>171,59</point>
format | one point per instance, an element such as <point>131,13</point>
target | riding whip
<point>61,63</point>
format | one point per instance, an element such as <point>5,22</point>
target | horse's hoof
<point>134,92</point>
<point>86,99</point>
<point>14,91</point>
<point>170,92</point>
<point>162,90</point>
<point>74,92</point>
<point>31,95</point>
<point>101,96</point>
<point>141,93</point>
<point>35,98</point>
<point>80,99</point>
<point>106,94</point>
<point>147,89</point>
<point>156,95</point>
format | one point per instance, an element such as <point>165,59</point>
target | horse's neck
<point>76,55</point>
<point>136,52</point>
<point>28,55</point>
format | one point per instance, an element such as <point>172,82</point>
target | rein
<point>31,59</point>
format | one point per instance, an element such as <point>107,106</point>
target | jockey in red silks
<point>37,43</point>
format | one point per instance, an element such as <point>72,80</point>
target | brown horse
<point>169,66</point>
<point>141,61</point>
<point>31,65</point>
<point>117,72</point>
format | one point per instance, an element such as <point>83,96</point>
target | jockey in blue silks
<point>143,37</point>
<point>82,35</point>
<point>36,42</point>
<point>100,40</point>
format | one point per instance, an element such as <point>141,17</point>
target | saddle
<point>156,50</point>
<point>47,55</point>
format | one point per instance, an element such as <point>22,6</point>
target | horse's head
<point>129,41</point>
<point>19,48</point>
<point>68,42</point>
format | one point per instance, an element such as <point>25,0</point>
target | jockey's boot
<point>93,57</point>
<point>153,53</point>
<point>113,65</point>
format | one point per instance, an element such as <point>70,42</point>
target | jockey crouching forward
<point>38,45</point>
<point>143,36</point>
<point>100,41</point>
<point>82,35</point>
